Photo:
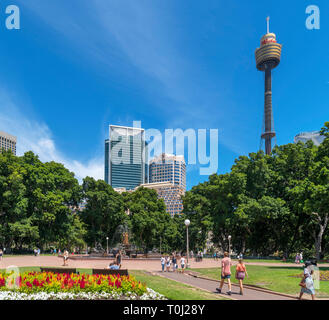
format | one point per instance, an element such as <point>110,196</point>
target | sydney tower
<point>268,57</point>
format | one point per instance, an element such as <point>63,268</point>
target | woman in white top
<point>65,257</point>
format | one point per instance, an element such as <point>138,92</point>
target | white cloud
<point>37,137</point>
<point>136,35</point>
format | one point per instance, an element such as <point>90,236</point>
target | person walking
<point>297,259</point>
<point>65,257</point>
<point>1,254</point>
<point>174,263</point>
<point>225,273</point>
<point>240,273</point>
<point>182,263</point>
<point>307,284</point>
<point>168,262</point>
<point>118,258</point>
<point>163,261</point>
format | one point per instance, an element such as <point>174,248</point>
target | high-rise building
<point>171,195</point>
<point>168,178</point>
<point>168,168</point>
<point>7,142</point>
<point>126,163</point>
<point>315,136</point>
<point>268,57</point>
<point>107,161</point>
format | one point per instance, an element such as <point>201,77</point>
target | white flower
<point>12,295</point>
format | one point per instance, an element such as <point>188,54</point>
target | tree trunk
<point>318,237</point>
<point>317,244</point>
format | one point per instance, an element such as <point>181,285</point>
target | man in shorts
<point>226,273</point>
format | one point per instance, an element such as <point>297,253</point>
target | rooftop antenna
<point>268,24</point>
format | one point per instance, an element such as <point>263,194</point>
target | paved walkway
<point>147,265</point>
<point>209,285</point>
<point>151,266</point>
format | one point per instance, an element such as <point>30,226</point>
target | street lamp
<point>187,223</point>
<point>229,245</point>
<point>107,245</point>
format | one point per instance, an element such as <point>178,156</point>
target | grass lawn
<point>270,261</point>
<point>174,290</point>
<point>273,278</point>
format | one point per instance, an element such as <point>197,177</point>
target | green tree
<point>148,217</point>
<point>104,211</point>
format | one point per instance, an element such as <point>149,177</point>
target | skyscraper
<point>126,157</point>
<point>267,58</point>
<point>171,195</point>
<point>107,161</point>
<point>168,168</point>
<point>7,142</point>
<point>168,178</point>
<point>315,136</point>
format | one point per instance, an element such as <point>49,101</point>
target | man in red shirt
<point>226,273</point>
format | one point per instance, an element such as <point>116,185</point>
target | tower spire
<point>268,57</point>
<point>268,24</point>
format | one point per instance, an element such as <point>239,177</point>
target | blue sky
<point>77,66</point>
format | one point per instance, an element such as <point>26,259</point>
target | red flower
<point>117,283</point>
<point>36,282</point>
<point>82,284</point>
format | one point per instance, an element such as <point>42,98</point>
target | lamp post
<point>107,245</point>
<point>187,223</point>
<point>229,245</point>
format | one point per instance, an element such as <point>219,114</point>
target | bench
<point>121,272</point>
<point>59,270</point>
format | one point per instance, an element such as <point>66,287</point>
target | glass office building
<point>168,168</point>
<point>7,142</point>
<point>107,161</point>
<point>168,178</point>
<point>126,157</point>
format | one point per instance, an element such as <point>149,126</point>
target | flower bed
<point>50,286</point>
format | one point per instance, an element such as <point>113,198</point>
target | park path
<point>140,264</point>
<point>211,285</point>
